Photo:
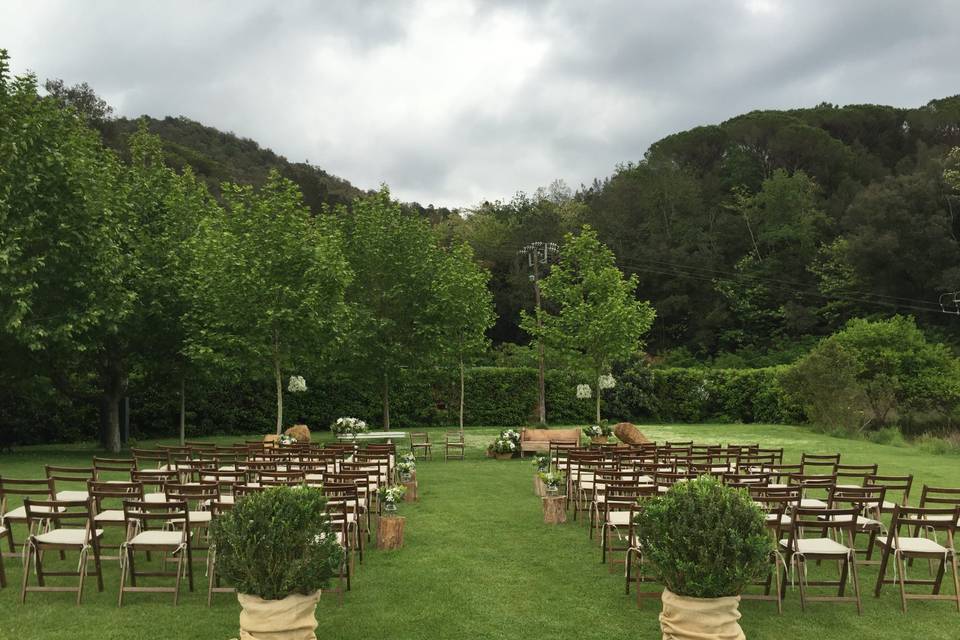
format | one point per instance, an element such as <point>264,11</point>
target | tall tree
<point>267,283</point>
<point>393,257</point>
<point>65,268</point>
<point>598,318</point>
<point>461,307</point>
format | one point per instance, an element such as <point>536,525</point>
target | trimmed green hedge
<point>497,396</point>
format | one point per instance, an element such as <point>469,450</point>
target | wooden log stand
<point>390,532</point>
<point>411,493</point>
<point>539,489</point>
<point>553,509</point>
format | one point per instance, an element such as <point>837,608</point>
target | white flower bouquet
<point>597,431</point>
<point>285,440</point>
<point>390,496</point>
<point>349,425</point>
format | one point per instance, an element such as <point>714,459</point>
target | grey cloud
<point>455,102</point>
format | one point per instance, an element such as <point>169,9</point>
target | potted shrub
<point>542,463</point>
<point>598,433</point>
<point>277,549</point>
<point>707,542</point>
<point>504,449</point>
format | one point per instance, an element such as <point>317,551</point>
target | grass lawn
<point>479,563</point>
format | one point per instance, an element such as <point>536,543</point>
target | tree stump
<point>390,532</point>
<point>539,489</point>
<point>411,494</point>
<point>553,510</point>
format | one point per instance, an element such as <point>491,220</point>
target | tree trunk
<point>598,399</point>
<point>183,409</point>
<point>112,394</point>
<point>279,378</point>
<point>541,384</point>
<point>461,393</point>
<point>386,401</point>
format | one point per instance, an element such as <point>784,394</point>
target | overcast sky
<point>456,102</point>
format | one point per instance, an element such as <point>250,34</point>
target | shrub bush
<point>706,540</point>
<point>276,543</point>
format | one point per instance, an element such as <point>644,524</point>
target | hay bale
<point>628,433</point>
<point>299,431</point>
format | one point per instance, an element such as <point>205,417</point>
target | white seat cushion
<point>813,503</point>
<point>917,545</point>
<point>785,520</point>
<point>196,517</point>
<point>822,546</point>
<point>66,536</point>
<point>72,495</point>
<point>20,513</point>
<point>157,496</point>
<point>169,538</point>
<point>109,515</point>
<point>618,518</point>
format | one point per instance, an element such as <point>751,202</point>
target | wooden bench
<point>538,440</point>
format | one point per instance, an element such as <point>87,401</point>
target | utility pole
<point>539,253</point>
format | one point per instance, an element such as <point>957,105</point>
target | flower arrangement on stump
<point>406,469</point>
<point>542,463</point>
<point>552,480</point>
<point>391,496</point>
<point>278,549</point>
<point>349,426</point>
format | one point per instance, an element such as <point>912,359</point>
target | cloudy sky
<point>454,102</point>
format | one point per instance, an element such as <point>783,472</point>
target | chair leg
<point>176,586</point>
<point>938,580</point>
<point>26,573</point>
<point>629,551</point>
<point>123,575</point>
<point>956,577</point>
<point>856,581</point>
<point>189,564</point>
<point>83,575</point>
<point>902,580</point>
<point>800,582</point>
<point>884,558</point>
<point>211,576</point>
<point>776,571</point>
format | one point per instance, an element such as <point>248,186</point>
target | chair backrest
<point>69,475</point>
<point>895,485</point>
<point>454,437</point>
<point>865,499</point>
<point>197,493</point>
<point>101,491</point>
<point>242,490</point>
<point>662,479</point>
<point>939,497</point>
<point>154,479</point>
<point>761,479</point>
<point>419,437</point>
<point>65,514</point>
<point>812,463</point>
<point>146,458</point>
<point>684,444</point>
<point>821,521</point>
<point>115,466</point>
<point>282,478</point>
<point>846,472</point>
<point>17,488</point>
<point>781,472</point>
<point>157,515</point>
<point>925,519</point>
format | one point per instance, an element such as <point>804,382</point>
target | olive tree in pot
<point>277,549</point>
<point>707,541</point>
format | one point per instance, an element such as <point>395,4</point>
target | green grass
<point>479,563</point>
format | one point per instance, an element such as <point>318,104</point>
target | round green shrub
<point>276,543</point>
<point>705,539</point>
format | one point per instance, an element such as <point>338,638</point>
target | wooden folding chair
<point>634,558</point>
<point>71,476</point>
<point>12,490</point>
<point>80,534</point>
<point>420,443</point>
<point>897,490</point>
<point>217,509</point>
<point>118,468</point>
<point>777,504</point>
<point>853,475</point>
<point>338,508</point>
<point>156,480</point>
<point>618,507</point>
<point>453,446</point>
<point>867,501</point>
<point>921,520</point>
<point>108,497</point>
<point>172,535</point>
<point>800,550</point>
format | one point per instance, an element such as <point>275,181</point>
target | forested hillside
<point>752,235</point>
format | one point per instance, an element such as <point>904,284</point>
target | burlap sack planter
<point>686,618</point>
<point>292,618</point>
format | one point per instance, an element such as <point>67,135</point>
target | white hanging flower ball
<point>297,384</point>
<point>607,381</point>
<point>584,391</point>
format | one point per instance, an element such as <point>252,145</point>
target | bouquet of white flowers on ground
<point>505,445</point>
<point>348,425</point>
<point>512,435</point>
<point>286,440</point>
